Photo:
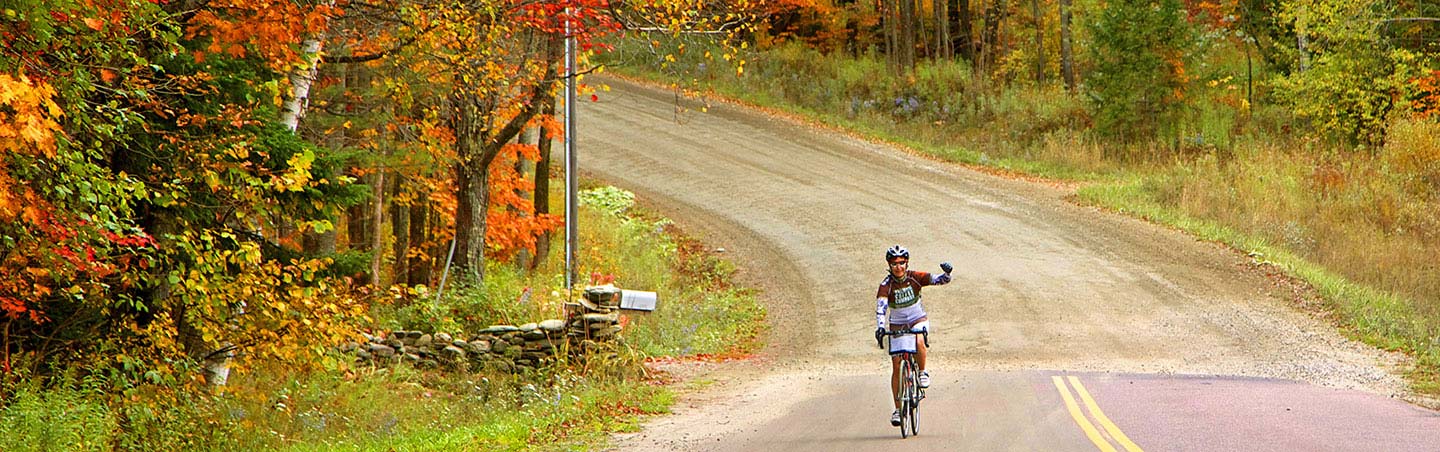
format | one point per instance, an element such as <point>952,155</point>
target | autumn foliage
<point>157,198</point>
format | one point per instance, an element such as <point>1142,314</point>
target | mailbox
<point>638,300</point>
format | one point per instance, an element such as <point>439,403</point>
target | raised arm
<point>942,278</point>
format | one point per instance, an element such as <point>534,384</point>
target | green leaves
<point>1141,52</point>
<point>1356,72</point>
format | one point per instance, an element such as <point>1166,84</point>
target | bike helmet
<point>895,252</point>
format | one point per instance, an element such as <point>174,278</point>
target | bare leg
<point>895,380</point>
<point>920,349</point>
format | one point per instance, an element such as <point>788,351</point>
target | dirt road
<point>1169,335</point>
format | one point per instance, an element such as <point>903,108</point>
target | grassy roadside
<point>569,406</point>
<point>1362,228</point>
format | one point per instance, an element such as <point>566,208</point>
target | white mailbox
<point>638,300</point>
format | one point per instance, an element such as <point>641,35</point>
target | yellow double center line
<point>1094,409</point>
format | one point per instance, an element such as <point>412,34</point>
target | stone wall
<point>588,324</point>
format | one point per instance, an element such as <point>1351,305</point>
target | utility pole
<point>571,215</point>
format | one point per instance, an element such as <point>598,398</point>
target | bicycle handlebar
<point>925,334</point>
<point>906,332</point>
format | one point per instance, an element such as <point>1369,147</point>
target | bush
<point>1140,54</point>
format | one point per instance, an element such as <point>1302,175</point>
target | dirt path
<point>1040,284</point>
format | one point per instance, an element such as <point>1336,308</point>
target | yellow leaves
<point>27,117</point>
<point>299,175</point>
<point>27,127</point>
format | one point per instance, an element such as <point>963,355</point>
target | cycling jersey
<point>901,297</point>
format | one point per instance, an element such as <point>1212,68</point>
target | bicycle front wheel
<point>913,413</point>
<point>907,401</point>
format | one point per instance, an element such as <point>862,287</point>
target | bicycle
<point>910,391</point>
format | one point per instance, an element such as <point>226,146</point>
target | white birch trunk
<point>300,80</point>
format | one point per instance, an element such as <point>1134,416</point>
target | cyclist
<point>899,295</point>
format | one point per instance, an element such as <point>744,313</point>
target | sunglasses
<point>898,263</point>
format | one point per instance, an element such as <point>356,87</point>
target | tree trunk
<point>473,196</point>
<point>1302,44</point>
<point>400,229</point>
<point>1039,41</point>
<point>907,36</point>
<point>943,46</point>
<point>965,38</point>
<point>541,194</point>
<point>300,80</point>
<point>477,144</point>
<point>377,233</point>
<point>422,264</point>
<point>990,39</point>
<point>357,224</point>
<point>523,257</point>
<point>890,16</point>
<point>1067,55</point>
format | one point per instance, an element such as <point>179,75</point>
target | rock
<point>443,338</point>
<point>606,295</point>
<point>611,331</point>
<point>479,347</point>
<point>383,351</point>
<point>498,330</point>
<point>459,343</point>
<point>611,317</point>
<point>452,353</point>
<point>533,335</point>
<point>415,335</point>
<point>553,325</point>
<point>364,355</point>
<point>411,357</point>
<point>394,342</point>
<point>424,341</point>
<point>499,347</point>
<point>526,328</point>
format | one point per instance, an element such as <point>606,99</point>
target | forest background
<point>183,181</point>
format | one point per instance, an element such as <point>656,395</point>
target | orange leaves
<point>270,28</point>
<point>1427,90</point>
<point>510,223</point>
